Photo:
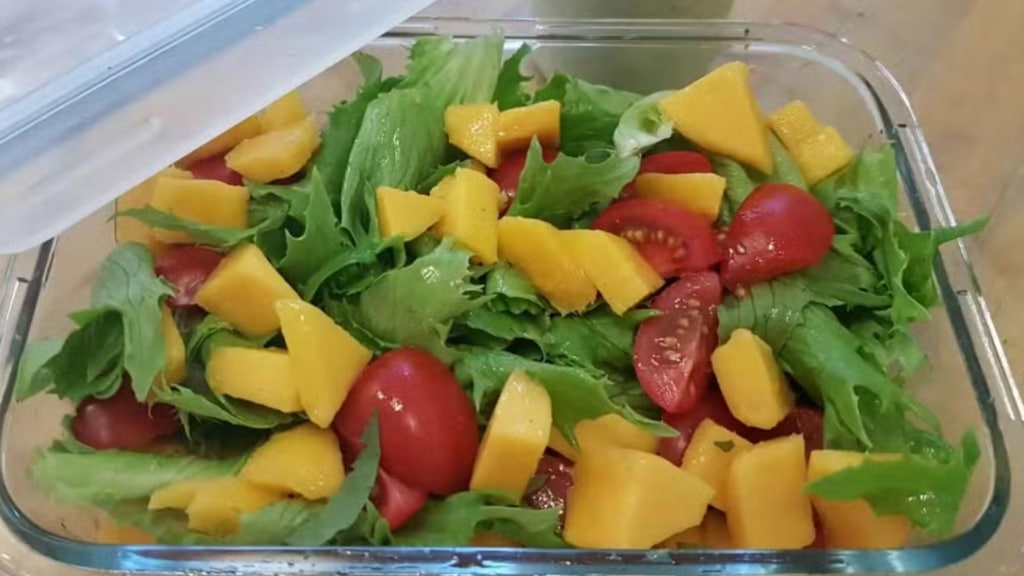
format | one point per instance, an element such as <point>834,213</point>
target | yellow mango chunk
<point>698,193</point>
<point>204,201</point>
<point>719,113</point>
<point>283,112</point>
<point>406,214</point>
<point>818,150</point>
<point>516,436</point>
<point>473,128</point>
<point>517,127</point>
<point>621,274</point>
<point>608,431</point>
<point>713,533</point>
<point>709,456</point>
<point>752,383</point>
<point>131,230</point>
<point>325,359</point>
<point>471,213</point>
<point>248,128</point>
<point>303,460</point>
<point>174,348</point>
<point>216,507</point>
<point>242,290</point>
<point>277,154</point>
<point>853,523</point>
<point>178,495</point>
<point>260,376</point>
<point>536,248</point>
<point>629,499</point>
<point>110,532</point>
<point>767,504</point>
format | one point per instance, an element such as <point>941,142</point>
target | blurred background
<point>952,60</point>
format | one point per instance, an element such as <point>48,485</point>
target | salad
<point>472,309</point>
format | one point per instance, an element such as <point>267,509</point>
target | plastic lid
<point>97,95</point>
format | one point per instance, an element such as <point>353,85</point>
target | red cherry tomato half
<point>778,229</point>
<point>396,501</point>
<point>557,473</point>
<point>428,431</point>
<point>672,352</point>
<point>671,239</point>
<point>507,174</point>
<point>712,406</point>
<point>804,420</point>
<point>121,422</point>
<point>214,168</point>
<point>187,267</point>
<point>676,162</point>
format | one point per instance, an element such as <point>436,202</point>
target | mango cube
<point>767,504</point>
<point>473,128</point>
<point>205,201</point>
<point>243,289</point>
<point>628,499</point>
<point>276,154</point>
<point>303,460</point>
<point>697,193</point>
<point>713,533</point>
<point>325,359</point>
<point>260,376</point>
<point>621,274</point>
<point>608,431</point>
<point>283,112</point>
<point>247,128</point>
<point>131,230</point>
<point>752,383</point>
<point>516,436</point>
<point>818,150</point>
<point>719,113</point>
<point>112,533</point>
<point>517,127</point>
<point>471,213</point>
<point>174,349</point>
<point>406,214</point>
<point>536,248</point>
<point>709,455</point>
<point>852,523</point>
<point>214,505</point>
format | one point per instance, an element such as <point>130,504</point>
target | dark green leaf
<point>204,233</point>
<point>725,445</point>
<point>568,187</point>
<point>770,309</point>
<point>320,240</point>
<point>195,399</point>
<point>508,90</point>
<point>213,332</point>
<point>34,377</point>
<point>738,185</point>
<point>442,172</point>
<point>590,113</point>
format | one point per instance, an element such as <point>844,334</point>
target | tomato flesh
<point>804,420</point>
<point>395,501</point>
<point>215,168</point>
<point>675,162</point>
<point>121,422</point>
<point>187,267</point>
<point>672,240</point>
<point>779,229</point>
<point>712,406</point>
<point>428,429</point>
<point>672,352</point>
<point>507,174</point>
<point>557,473</point>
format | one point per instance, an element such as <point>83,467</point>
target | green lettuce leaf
<point>508,90</point>
<point>772,310</point>
<point>440,173</point>
<point>784,166</point>
<point>590,113</point>
<point>575,394</point>
<point>212,332</point>
<point>195,399</point>
<point>320,239</point>
<point>415,305</point>
<point>344,506</point>
<point>103,477</point>
<point>599,341</point>
<point>568,187</point>
<point>454,520</point>
<point>343,124</point>
<point>351,270</point>
<point>401,140</point>
<point>738,185</point>
<point>455,73</point>
<point>927,490</point>
<point>87,363</point>
<point>511,291</point>
<point>34,377</point>
<point>642,125</point>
